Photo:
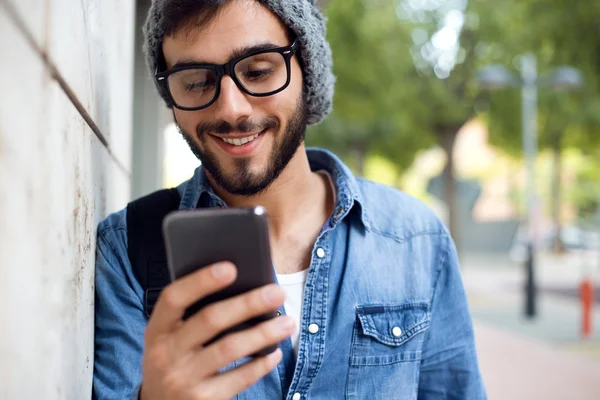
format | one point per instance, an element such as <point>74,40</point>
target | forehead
<point>241,23</point>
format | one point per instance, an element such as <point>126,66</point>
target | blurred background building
<point>82,131</point>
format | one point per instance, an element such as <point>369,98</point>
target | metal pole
<point>530,144</point>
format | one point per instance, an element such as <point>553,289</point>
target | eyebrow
<point>236,53</point>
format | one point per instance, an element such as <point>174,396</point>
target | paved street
<point>540,359</point>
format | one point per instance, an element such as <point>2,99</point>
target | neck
<point>295,191</point>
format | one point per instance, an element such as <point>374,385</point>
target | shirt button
<point>396,331</point>
<point>339,212</point>
<point>278,313</point>
<point>313,328</point>
<point>296,396</point>
<point>320,252</point>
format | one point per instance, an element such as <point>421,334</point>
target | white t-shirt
<point>293,285</point>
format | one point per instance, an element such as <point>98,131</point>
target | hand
<point>176,364</point>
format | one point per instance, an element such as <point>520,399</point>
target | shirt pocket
<point>386,351</point>
<point>389,334</point>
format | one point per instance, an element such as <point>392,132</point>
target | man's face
<point>279,120</point>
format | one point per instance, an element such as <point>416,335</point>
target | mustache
<point>247,126</point>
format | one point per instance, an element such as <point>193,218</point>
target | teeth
<point>239,142</point>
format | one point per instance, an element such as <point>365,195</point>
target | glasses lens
<point>193,87</point>
<point>262,73</point>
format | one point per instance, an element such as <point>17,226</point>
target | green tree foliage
<point>397,93</point>
<point>446,83</point>
<point>394,95</point>
<point>558,32</point>
<point>373,104</point>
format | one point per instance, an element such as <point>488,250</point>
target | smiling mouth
<point>240,141</point>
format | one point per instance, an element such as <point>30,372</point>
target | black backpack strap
<point>146,247</point>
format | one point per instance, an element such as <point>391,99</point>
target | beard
<point>241,181</point>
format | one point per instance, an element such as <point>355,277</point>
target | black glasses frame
<point>228,69</point>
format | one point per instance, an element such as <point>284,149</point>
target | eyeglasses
<point>261,73</point>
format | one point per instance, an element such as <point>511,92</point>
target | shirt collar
<point>198,192</point>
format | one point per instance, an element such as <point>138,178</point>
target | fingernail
<point>222,270</point>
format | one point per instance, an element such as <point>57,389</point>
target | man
<point>369,281</point>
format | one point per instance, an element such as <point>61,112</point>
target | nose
<point>232,105</point>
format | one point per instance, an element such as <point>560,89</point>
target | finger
<point>225,314</point>
<point>235,346</point>
<point>182,293</point>
<point>230,383</point>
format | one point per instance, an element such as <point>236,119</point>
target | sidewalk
<point>519,368</point>
<point>544,358</point>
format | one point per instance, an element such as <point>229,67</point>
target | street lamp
<point>562,78</point>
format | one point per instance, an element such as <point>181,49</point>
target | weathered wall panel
<point>91,43</point>
<point>57,179</point>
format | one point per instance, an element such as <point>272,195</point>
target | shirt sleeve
<point>120,320</point>
<point>449,367</point>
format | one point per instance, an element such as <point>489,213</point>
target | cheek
<point>280,105</point>
<point>275,105</point>
<point>188,121</point>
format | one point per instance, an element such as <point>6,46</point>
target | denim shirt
<point>384,290</point>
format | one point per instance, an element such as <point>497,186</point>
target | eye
<point>200,86</point>
<point>258,74</point>
<point>259,68</point>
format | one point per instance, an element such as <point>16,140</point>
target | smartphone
<point>198,238</point>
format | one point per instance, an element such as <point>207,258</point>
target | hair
<point>191,16</point>
<point>187,17</point>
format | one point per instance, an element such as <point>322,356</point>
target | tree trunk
<point>448,138</point>
<point>557,245</point>
<point>361,156</point>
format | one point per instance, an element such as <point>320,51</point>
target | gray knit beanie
<point>303,17</point>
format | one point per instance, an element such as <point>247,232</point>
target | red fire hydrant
<point>586,294</point>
